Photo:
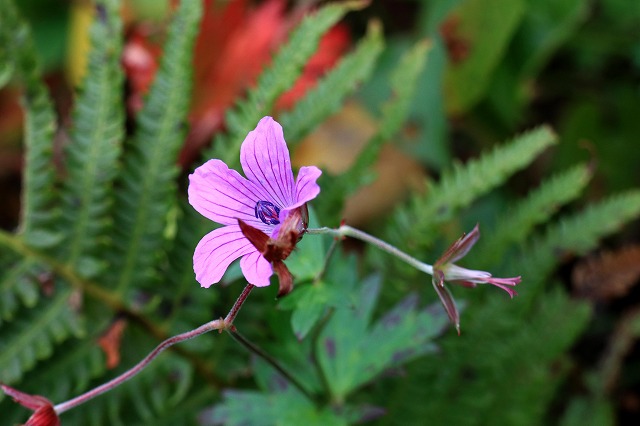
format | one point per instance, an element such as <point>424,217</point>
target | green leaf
<point>96,137</point>
<point>415,227</point>
<point>546,25</point>
<point>148,177</point>
<point>576,234</point>
<point>539,206</point>
<point>310,302</point>
<point>395,111</point>
<point>286,67</point>
<point>327,97</point>
<point>18,287</point>
<point>70,370</point>
<point>486,26</point>
<point>352,355</point>
<point>34,335</point>
<point>38,195</point>
<point>304,263</point>
<point>279,404</point>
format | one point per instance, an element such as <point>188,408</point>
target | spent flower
<point>268,200</point>
<point>43,412</point>
<point>446,270</point>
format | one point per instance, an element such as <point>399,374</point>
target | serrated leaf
<point>96,137</point>
<point>33,337</point>
<point>537,208</point>
<point>38,194</point>
<point>415,227</point>
<point>330,92</point>
<point>148,177</point>
<point>395,111</point>
<point>286,67</point>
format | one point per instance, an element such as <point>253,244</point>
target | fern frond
<point>148,179</point>
<point>395,111</point>
<point>537,208</point>
<point>34,334</point>
<point>38,195</point>
<point>17,288</point>
<point>146,400</point>
<point>326,98</point>
<point>96,139</point>
<point>275,80</point>
<point>69,371</point>
<point>414,226</point>
<point>576,234</point>
<point>499,354</point>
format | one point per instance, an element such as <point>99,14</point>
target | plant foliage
<point>106,239</point>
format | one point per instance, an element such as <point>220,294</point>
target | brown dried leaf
<point>110,342</point>
<point>608,276</point>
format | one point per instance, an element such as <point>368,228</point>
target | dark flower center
<point>267,212</point>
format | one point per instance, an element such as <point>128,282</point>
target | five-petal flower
<point>263,200</point>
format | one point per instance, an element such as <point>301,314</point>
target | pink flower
<point>263,201</point>
<point>445,270</point>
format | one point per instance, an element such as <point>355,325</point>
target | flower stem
<point>348,231</point>
<point>271,361</point>
<point>236,306</point>
<point>81,399</point>
<point>219,324</point>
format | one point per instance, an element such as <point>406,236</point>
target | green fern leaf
<point>146,400</point>
<point>414,227</point>
<point>576,234</point>
<point>536,209</point>
<point>148,188</point>
<point>68,372</point>
<point>18,288</point>
<point>326,98</point>
<point>275,80</point>
<point>479,373</point>
<point>38,195</point>
<point>34,335</point>
<point>92,155</point>
<point>395,111</point>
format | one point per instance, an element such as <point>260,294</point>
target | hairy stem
<point>348,231</point>
<point>220,324</point>
<point>81,399</point>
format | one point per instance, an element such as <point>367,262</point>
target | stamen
<point>267,212</point>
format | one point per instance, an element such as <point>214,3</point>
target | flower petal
<point>460,248</point>
<point>446,298</point>
<point>222,195</point>
<point>306,190</point>
<point>256,269</point>
<point>265,160</point>
<point>216,251</point>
